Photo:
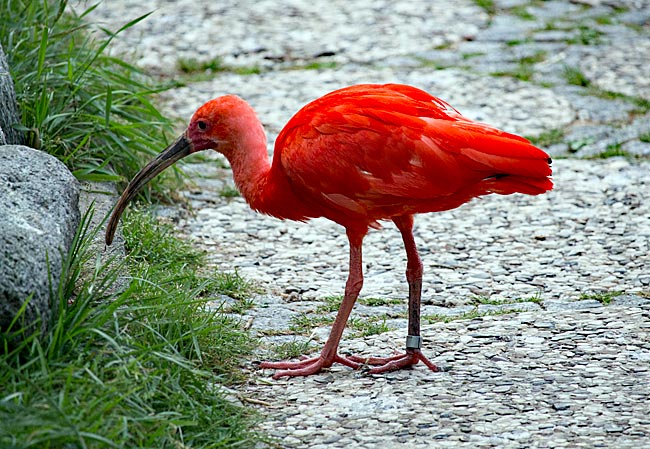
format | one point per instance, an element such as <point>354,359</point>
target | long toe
<point>404,360</point>
<point>306,367</point>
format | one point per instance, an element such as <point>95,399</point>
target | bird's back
<point>377,151</point>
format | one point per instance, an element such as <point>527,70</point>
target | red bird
<point>356,156</point>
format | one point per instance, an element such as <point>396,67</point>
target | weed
<point>304,323</point>
<point>369,326</point>
<point>425,62</point>
<point>577,145</point>
<point>243,70</point>
<point>612,150</point>
<point>522,12</point>
<point>331,304</point>
<point>228,191</point>
<point>575,76</point>
<point>484,300</point>
<point>515,42</point>
<point>522,72</point>
<point>536,57</point>
<point>603,20</point>
<point>602,297</point>
<point>586,36</point>
<point>470,55</point>
<point>645,137</point>
<point>193,65</point>
<point>319,65</point>
<point>642,104</point>
<point>487,5</point>
<point>374,302</point>
<point>472,314</point>
<point>548,138</point>
<point>293,349</point>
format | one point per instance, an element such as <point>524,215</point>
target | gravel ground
<point>538,307</point>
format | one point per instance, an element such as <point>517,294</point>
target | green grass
<point>193,65</point>
<point>515,42</point>
<point>525,68</point>
<point>134,356</point>
<point>201,70</point>
<point>487,5</point>
<point>304,323</point>
<point>586,35</point>
<point>318,66</point>
<point>522,12</point>
<point>642,105</point>
<point>523,72</point>
<point>472,314</point>
<point>577,145</point>
<point>365,327</point>
<point>471,55</point>
<point>229,192</point>
<point>548,138</point>
<point>604,20</point>
<point>330,304</point>
<point>536,57</point>
<point>140,367</point>
<point>293,349</point>
<point>602,297</point>
<point>645,137</point>
<point>478,300</point>
<point>575,76</point>
<point>375,302</point>
<point>91,110</point>
<point>612,150</point>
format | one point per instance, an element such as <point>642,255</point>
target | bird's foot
<point>307,366</point>
<point>399,361</point>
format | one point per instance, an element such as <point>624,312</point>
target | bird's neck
<point>264,187</point>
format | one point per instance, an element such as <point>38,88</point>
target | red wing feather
<point>396,149</point>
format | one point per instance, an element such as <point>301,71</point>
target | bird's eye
<point>202,125</point>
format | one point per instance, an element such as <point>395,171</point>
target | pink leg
<point>413,354</point>
<point>329,354</point>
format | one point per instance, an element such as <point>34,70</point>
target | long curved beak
<point>173,153</point>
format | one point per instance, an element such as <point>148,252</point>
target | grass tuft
<point>522,12</point>
<point>586,36</point>
<point>193,66</point>
<point>136,368</point>
<point>228,191</point>
<point>365,327</point>
<point>548,138</point>
<point>575,76</point>
<point>294,349</point>
<point>612,150</point>
<point>602,297</point>
<point>133,355</point>
<point>91,110</point>
<point>487,5</point>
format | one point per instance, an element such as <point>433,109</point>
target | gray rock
<point>38,218</point>
<point>8,107</point>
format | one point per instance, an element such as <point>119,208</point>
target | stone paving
<point>537,307</point>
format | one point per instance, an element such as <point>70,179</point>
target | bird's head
<point>219,124</point>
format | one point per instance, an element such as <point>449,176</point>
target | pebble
<point>545,364</point>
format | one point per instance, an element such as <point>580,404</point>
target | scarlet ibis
<point>356,156</point>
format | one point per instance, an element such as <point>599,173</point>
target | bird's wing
<point>371,146</point>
